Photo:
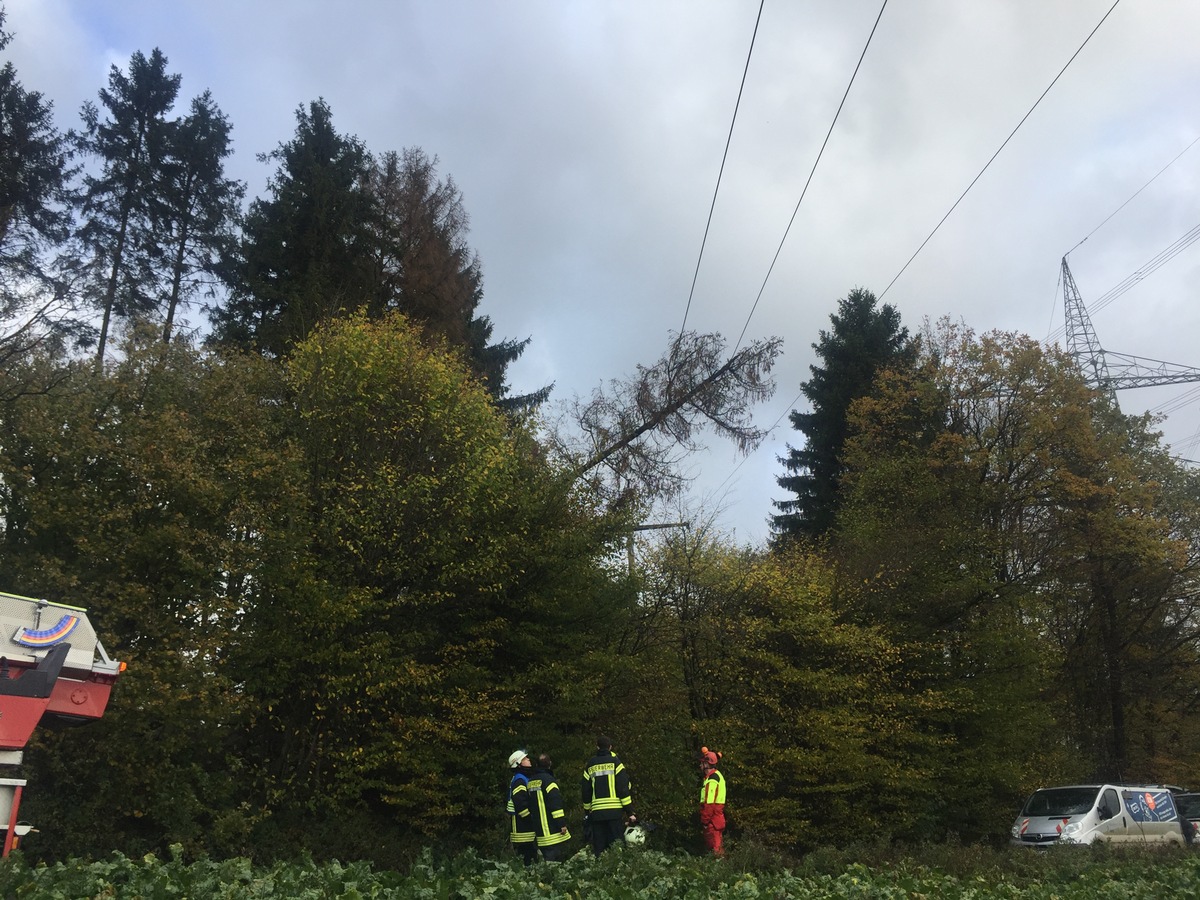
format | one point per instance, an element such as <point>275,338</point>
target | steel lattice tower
<point>1105,370</point>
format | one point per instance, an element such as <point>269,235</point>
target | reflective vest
<point>548,815</point>
<point>520,819</point>
<point>713,789</point>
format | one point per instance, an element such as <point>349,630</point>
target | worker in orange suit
<point>712,801</point>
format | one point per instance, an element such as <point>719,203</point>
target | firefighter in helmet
<point>521,828</point>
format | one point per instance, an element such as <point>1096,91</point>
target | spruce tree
<point>123,202</point>
<point>304,250</point>
<point>199,204</point>
<point>864,340</point>
<point>34,217</point>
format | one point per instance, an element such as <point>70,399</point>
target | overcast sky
<point>586,138</point>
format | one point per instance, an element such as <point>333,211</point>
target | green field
<point>940,873</point>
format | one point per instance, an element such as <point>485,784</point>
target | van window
<point>1069,801</point>
<point>1109,804</point>
<point>1149,806</point>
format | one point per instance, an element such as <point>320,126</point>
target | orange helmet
<point>708,757</point>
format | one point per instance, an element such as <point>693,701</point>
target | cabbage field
<point>622,875</point>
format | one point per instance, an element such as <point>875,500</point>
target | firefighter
<point>607,797</point>
<point>712,801</point>
<point>521,830</point>
<point>549,819</point>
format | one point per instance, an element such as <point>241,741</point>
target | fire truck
<point>53,671</point>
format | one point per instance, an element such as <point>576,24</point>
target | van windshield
<point>1071,801</point>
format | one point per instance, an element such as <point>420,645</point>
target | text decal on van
<point>1149,806</point>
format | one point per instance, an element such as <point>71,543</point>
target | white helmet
<point>636,835</point>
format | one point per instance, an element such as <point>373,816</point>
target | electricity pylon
<point>1105,370</point>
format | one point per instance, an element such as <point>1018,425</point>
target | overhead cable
<point>721,171</point>
<point>775,259</point>
<point>1151,266</point>
<point>1001,147</point>
<point>1135,193</point>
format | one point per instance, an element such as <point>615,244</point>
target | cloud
<point>587,138</point>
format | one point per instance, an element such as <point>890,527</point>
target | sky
<point>587,139</point>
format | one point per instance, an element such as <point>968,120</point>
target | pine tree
<point>33,174</point>
<point>424,267</point>
<point>34,217</point>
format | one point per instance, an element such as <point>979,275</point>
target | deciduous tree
<point>454,580</point>
<point>152,494</point>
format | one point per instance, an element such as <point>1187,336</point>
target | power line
<point>1187,398</point>
<point>775,425</point>
<point>1053,334</point>
<point>778,250</point>
<point>721,172</point>
<point>1149,268</point>
<point>1135,193</point>
<point>1002,146</point>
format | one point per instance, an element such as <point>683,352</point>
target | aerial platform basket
<point>53,669</point>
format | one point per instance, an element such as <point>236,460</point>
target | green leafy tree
<point>449,589</point>
<point>864,340</point>
<point>998,524</point>
<point>918,561</point>
<point>121,203</point>
<point>812,713</point>
<point>147,493</point>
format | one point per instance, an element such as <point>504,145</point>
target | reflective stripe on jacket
<point>713,789</point>
<point>605,789</point>
<point>520,818</point>
<point>548,815</point>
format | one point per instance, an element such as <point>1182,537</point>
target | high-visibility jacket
<point>520,815</point>
<point>712,791</point>
<point>548,815</point>
<point>606,790</point>
<point>712,801</point>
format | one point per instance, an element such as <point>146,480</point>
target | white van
<point>1084,813</point>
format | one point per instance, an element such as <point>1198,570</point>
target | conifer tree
<point>304,247</point>
<point>864,340</point>
<point>122,203</point>
<point>34,217</point>
<point>200,204</point>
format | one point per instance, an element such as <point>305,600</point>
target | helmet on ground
<point>636,835</point>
